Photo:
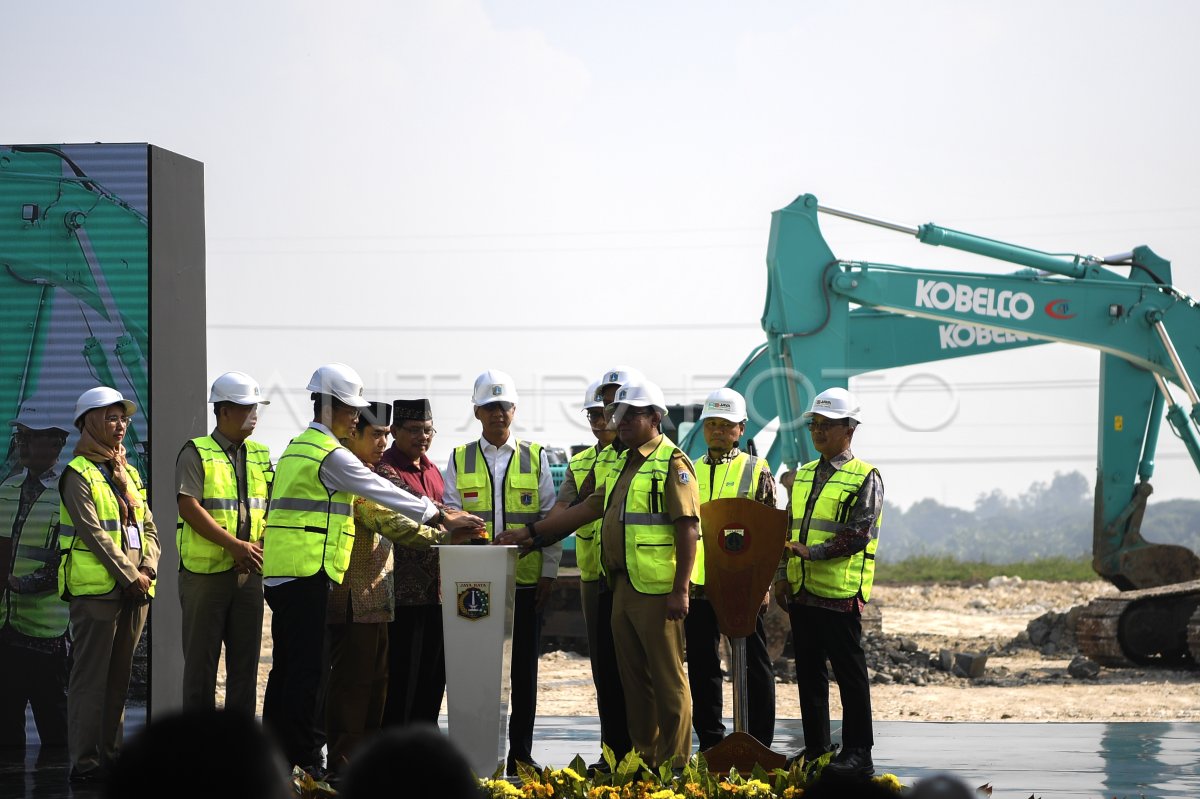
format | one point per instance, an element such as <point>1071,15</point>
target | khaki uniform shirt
<point>122,564</point>
<point>189,477</point>
<point>680,495</point>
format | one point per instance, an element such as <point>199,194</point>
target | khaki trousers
<point>104,634</point>
<point>650,660</point>
<point>224,608</point>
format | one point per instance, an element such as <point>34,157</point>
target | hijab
<point>92,445</point>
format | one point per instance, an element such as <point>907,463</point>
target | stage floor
<point>1053,760</point>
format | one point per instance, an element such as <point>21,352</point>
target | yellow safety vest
<point>80,573</point>
<point>522,501</point>
<point>196,553</point>
<point>41,614</point>
<point>834,578</point>
<point>649,531</point>
<point>738,478</point>
<point>310,527</point>
<point>587,548</point>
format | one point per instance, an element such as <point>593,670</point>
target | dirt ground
<point>956,617</point>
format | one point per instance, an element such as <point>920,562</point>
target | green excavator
<point>1125,306</point>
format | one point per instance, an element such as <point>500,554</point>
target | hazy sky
<point>426,190</point>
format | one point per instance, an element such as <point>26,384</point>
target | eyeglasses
<point>39,435</point>
<point>632,412</point>
<point>720,424</point>
<point>594,414</point>
<point>121,420</point>
<point>822,424</point>
<point>419,432</point>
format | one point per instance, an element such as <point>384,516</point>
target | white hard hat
<point>236,387</point>
<point>724,403</point>
<point>620,375</point>
<point>494,386</point>
<point>339,381</point>
<point>642,394</point>
<point>592,397</point>
<point>33,415</point>
<point>101,397</point>
<point>835,403</point>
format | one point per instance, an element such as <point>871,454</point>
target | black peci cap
<point>377,414</point>
<point>412,409</point>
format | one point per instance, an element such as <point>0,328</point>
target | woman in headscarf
<point>107,573</point>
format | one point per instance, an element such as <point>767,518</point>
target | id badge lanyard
<point>133,532</point>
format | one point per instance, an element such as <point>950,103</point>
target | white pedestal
<point>478,594</point>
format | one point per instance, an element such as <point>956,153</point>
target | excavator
<point>827,319</point>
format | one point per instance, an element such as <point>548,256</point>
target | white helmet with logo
<point>339,381</point>
<point>619,376</point>
<point>592,397</point>
<point>238,388</point>
<point>33,415</point>
<point>494,386</point>
<point>101,397</point>
<point>835,403</point>
<point>724,403</point>
<point>642,394</point>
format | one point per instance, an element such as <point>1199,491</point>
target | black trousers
<point>416,666</point>
<point>37,679</point>
<point>610,696</point>
<point>703,639</point>
<point>522,701</point>
<point>818,634</point>
<point>291,703</point>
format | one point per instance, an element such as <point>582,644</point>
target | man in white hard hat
<point>726,471</point>
<point>222,482</point>
<point>307,543</point>
<point>33,617</point>
<point>836,505</point>
<point>109,567</point>
<point>650,508</point>
<point>506,481</point>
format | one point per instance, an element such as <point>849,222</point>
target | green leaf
<point>666,775</point>
<point>528,774</point>
<point>498,774</point>
<point>759,773</point>
<point>628,768</point>
<point>609,758</point>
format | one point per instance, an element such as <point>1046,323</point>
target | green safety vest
<point>196,553</point>
<point>522,502</point>
<point>310,527</point>
<point>649,531</point>
<point>42,614</point>
<point>835,578</point>
<point>80,573</point>
<point>738,478</point>
<point>587,547</point>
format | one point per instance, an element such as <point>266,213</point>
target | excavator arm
<point>827,319</point>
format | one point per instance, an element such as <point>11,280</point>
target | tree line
<point>1049,519</point>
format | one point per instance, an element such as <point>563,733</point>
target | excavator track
<point>1152,626</point>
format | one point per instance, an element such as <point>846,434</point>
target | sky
<point>428,190</point>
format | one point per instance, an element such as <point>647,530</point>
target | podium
<point>478,594</point>
<point>743,542</point>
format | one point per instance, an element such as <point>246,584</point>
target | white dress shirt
<point>343,471</point>
<point>497,459</point>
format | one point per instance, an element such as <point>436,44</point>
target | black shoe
<point>85,777</point>
<point>808,755</point>
<point>599,767</point>
<point>510,766</point>
<point>853,761</point>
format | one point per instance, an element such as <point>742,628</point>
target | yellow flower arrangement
<point>499,789</point>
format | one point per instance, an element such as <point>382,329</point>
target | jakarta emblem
<point>474,600</point>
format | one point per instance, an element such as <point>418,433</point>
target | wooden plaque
<point>743,542</point>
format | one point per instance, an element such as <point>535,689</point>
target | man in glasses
<point>222,482</point>
<point>33,618</point>
<point>506,481</point>
<point>726,471</point>
<point>825,579</point>
<point>416,661</point>
<point>651,512</point>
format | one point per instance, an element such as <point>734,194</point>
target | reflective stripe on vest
<point>42,614</point>
<point>738,478</point>
<point>198,554</point>
<point>309,526</point>
<point>587,548</point>
<point>649,531</point>
<point>522,501</point>
<point>834,578</point>
<point>80,573</point>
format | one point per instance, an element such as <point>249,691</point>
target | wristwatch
<point>149,571</point>
<point>535,539</point>
<point>439,519</point>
